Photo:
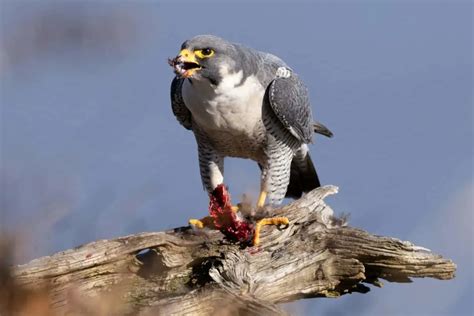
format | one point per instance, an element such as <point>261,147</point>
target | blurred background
<point>91,150</point>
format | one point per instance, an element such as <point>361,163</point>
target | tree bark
<point>188,271</point>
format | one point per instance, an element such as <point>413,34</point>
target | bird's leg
<point>260,204</point>
<point>261,199</point>
<point>276,169</point>
<point>267,221</point>
<point>211,167</point>
<point>207,222</point>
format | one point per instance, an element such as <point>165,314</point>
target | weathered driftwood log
<point>198,272</point>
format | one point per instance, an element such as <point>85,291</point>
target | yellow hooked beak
<point>186,63</point>
<point>187,56</point>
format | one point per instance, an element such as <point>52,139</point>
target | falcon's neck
<point>235,104</point>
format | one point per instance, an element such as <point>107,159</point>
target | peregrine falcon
<point>240,102</point>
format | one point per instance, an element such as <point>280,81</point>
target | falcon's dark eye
<point>204,53</point>
<point>207,51</point>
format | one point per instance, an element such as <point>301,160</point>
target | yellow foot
<point>196,223</point>
<point>267,221</point>
<point>203,222</point>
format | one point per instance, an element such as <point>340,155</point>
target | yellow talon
<point>197,223</point>
<point>207,221</point>
<point>267,221</point>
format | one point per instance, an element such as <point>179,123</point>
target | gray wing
<point>288,98</point>
<point>177,104</point>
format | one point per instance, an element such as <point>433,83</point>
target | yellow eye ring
<point>204,53</point>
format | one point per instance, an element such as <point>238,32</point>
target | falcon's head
<point>205,57</point>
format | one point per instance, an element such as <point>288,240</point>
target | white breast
<point>232,107</point>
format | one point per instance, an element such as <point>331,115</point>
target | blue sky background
<point>90,148</point>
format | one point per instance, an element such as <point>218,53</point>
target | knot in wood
<point>319,274</point>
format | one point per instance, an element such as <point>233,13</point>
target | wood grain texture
<point>187,271</point>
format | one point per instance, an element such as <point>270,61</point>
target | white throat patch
<point>232,106</point>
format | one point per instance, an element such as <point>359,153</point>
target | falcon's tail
<point>319,128</point>
<point>303,177</point>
